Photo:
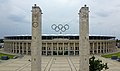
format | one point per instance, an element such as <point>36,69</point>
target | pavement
<point>112,64</point>
<point>49,63</point>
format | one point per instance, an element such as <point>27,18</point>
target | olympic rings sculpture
<point>60,27</point>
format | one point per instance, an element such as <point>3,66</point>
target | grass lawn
<point>109,55</point>
<point>10,56</point>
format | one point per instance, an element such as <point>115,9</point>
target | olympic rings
<point>60,27</point>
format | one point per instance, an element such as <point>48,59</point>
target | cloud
<point>3,1</point>
<point>15,15</point>
<point>17,18</point>
<point>103,14</point>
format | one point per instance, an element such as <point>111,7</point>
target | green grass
<point>109,55</point>
<point>10,56</point>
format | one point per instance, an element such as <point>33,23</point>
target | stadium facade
<point>59,44</point>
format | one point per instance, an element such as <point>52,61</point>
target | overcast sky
<point>15,16</point>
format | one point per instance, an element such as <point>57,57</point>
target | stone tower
<point>84,38</point>
<point>36,44</point>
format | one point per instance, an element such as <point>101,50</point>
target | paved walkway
<point>49,63</point>
<point>112,64</point>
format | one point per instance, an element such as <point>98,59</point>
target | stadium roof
<point>60,35</point>
<point>56,36</point>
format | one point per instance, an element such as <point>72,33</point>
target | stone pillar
<point>27,48</point>
<point>46,48</point>
<point>5,47</point>
<point>13,47</point>
<point>52,48</point>
<point>84,45</point>
<point>57,48</point>
<point>22,47</point>
<point>9,46</point>
<point>63,48</point>
<point>100,47</point>
<point>68,49</point>
<point>36,46</point>
<point>103,47</point>
<point>97,47</point>
<point>93,48</point>
<point>74,48</point>
<point>19,47</point>
<point>106,46</point>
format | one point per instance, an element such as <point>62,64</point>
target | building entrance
<point>60,52</point>
<point>54,52</point>
<point>71,48</point>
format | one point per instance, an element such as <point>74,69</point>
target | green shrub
<point>96,65</point>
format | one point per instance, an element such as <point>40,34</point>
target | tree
<point>96,65</point>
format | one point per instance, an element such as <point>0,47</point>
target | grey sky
<point>15,16</point>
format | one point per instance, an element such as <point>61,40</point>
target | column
<point>46,48</point>
<point>93,48</point>
<point>97,47</point>
<point>57,49</point>
<point>19,47</point>
<point>63,48</point>
<point>9,47</point>
<point>52,49</point>
<point>6,48</point>
<point>100,47</point>
<point>74,48</point>
<point>16,47</point>
<point>84,39</point>
<point>36,45</point>
<point>22,47</point>
<point>13,47</point>
<point>103,47</point>
<point>68,49</point>
<point>27,48</point>
<point>106,46</point>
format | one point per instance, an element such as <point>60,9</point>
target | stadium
<point>59,44</point>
